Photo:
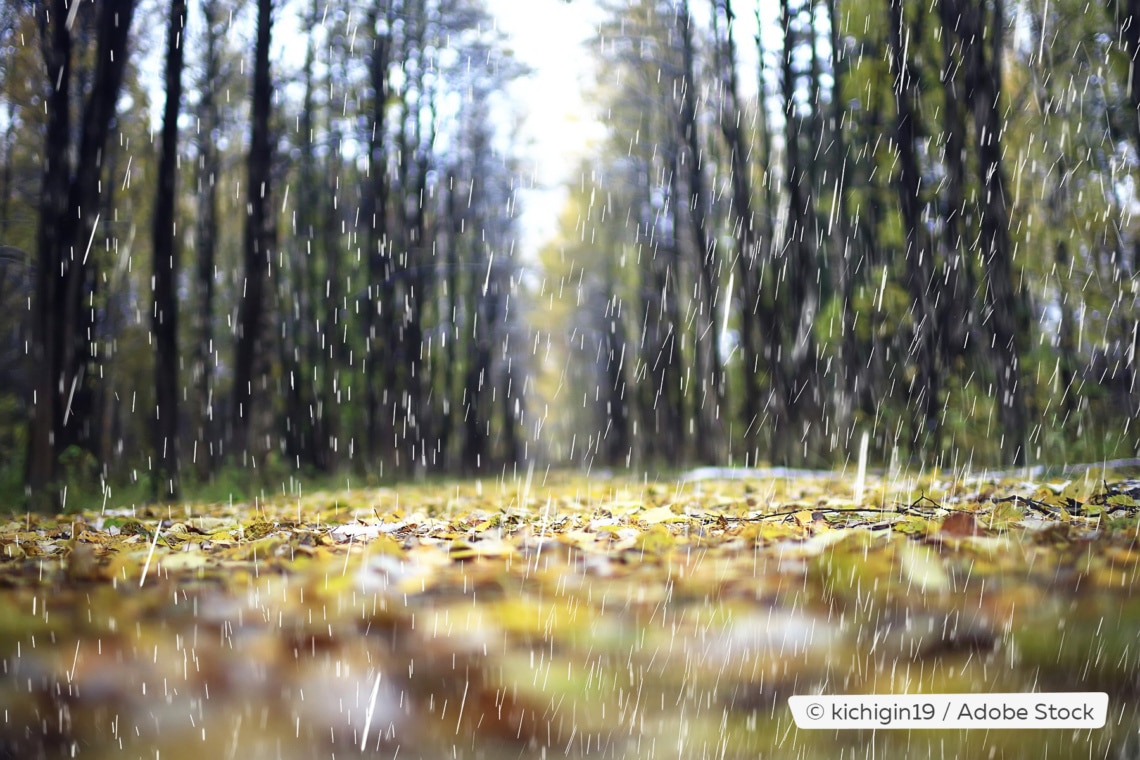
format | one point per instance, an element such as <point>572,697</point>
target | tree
<point>843,245</point>
<point>980,22</point>
<point>745,230</point>
<point>209,170</point>
<point>165,314</point>
<point>795,380</point>
<point>708,366</point>
<point>916,250</point>
<point>62,326</point>
<point>258,238</point>
<point>380,365</point>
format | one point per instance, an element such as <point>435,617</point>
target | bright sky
<point>550,36</point>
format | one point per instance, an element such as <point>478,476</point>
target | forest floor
<point>574,617</point>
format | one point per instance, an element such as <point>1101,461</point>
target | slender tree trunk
<point>1127,16</point>
<point>925,387</point>
<point>62,327</point>
<point>209,169</point>
<point>258,239</point>
<point>677,387</point>
<point>744,228</point>
<point>46,328</point>
<point>477,372</point>
<point>164,318</point>
<point>300,355</point>
<point>379,369</point>
<point>765,305</point>
<point>801,394</point>
<point>710,383</point>
<point>956,312</point>
<point>450,319</point>
<point>842,244</point>
<point>416,166</point>
<point>616,423</point>
<point>332,358</point>
<point>1002,300</point>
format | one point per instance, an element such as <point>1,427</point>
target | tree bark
<point>258,238</point>
<point>209,169</point>
<point>1003,302</point>
<point>379,322</point>
<point>800,386</point>
<point>1127,16</point>
<point>62,327</point>
<point>164,317</point>
<point>842,242</point>
<point>710,381</point>
<point>744,228</point>
<point>925,386</point>
<point>956,313</point>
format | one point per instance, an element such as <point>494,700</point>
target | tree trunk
<point>209,170</point>
<point>1127,17</point>
<point>956,313</point>
<point>258,239</point>
<point>711,386</point>
<point>925,386</point>
<point>164,317</point>
<point>449,379</point>
<point>743,229</point>
<point>1002,300</point>
<point>798,347</point>
<point>844,251</point>
<point>379,322</point>
<point>62,327</point>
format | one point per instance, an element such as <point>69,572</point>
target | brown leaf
<point>960,524</point>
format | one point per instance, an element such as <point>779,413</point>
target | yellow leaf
<point>660,515</point>
<point>922,567</point>
<point>655,540</point>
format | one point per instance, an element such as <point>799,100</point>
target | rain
<point>569,378</point>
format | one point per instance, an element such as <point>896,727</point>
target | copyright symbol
<point>815,711</point>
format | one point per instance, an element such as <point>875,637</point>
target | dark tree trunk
<point>764,300</point>
<point>164,318</point>
<point>299,359</point>
<point>1127,16</point>
<point>744,229</point>
<point>258,239</point>
<point>62,327</point>
<point>329,288</point>
<point>477,377</point>
<point>800,381</point>
<point>379,322</point>
<point>710,386</point>
<point>449,376</point>
<point>956,314</point>
<point>1066,340</point>
<point>415,166</point>
<point>209,169</point>
<point>616,429</point>
<point>842,244</point>
<point>925,386</point>
<point>1003,302</point>
<point>677,393</point>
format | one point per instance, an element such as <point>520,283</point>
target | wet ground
<point>610,620</point>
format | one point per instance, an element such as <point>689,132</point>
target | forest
<point>282,239</point>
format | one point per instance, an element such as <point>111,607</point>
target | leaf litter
<point>580,618</point>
